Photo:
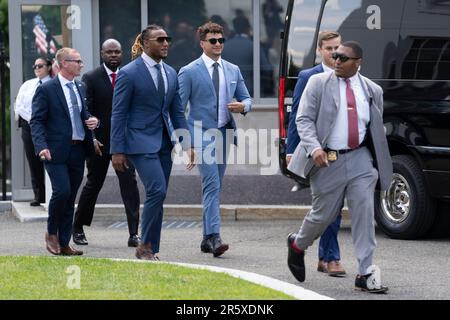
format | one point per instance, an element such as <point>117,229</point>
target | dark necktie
<point>76,121</point>
<point>113,79</point>
<point>40,82</point>
<point>161,89</point>
<point>352,114</point>
<point>215,80</point>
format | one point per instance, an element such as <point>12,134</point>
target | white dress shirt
<point>66,91</point>
<point>150,63</point>
<point>338,139</point>
<point>224,113</point>
<point>109,72</point>
<point>24,98</point>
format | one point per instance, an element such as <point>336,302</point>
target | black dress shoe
<point>205,246</point>
<point>366,284</point>
<point>80,238</point>
<point>133,240</point>
<point>35,203</point>
<point>296,259</point>
<point>217,246</point>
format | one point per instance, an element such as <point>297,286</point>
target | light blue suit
<point>140,129</point>
<point>196,87</point>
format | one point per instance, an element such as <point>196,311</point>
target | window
<point>375,25</point>
<point>272,15</point>
<point>120,20</point>
<point>43,33</point>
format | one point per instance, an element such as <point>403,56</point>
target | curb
<point>24,213</point>
<point>5,206</point>
<point>290,289</point>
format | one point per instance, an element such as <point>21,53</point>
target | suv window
<point>374,24</point>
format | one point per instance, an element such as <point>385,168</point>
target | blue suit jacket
<point>137,119</point>
<point>50,123</point>
<point>293,138</point>
<point>196,87</point>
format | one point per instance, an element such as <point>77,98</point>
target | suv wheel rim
<point>396,201</point>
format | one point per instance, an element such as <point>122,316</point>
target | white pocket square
<point>233,82</point>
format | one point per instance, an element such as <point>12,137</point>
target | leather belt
<point>75,142</point>
<point>343,151</point>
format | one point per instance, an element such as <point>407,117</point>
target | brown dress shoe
<point>335,269</point>
<point>145,252</point>
<point>52,243</point>
<point>322,266</point>
<point>70,251</point>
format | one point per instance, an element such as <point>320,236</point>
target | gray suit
<point>354,175</point>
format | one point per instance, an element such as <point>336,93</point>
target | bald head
<point>112,54</point>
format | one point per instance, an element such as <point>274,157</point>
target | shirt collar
<point>326,68</point>
<point>209,62</point>
<point>45,79</point>
<point>354,79</point>
<point>109,71</point>
<point>63,80</point>
<point>149,61</point>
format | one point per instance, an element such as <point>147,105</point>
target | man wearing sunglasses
<point>100,84</point>
<point>342,144</point>
<point>210,84</point>
<point>61,129</point>
<point>145,96</point>
<point>329,252</point>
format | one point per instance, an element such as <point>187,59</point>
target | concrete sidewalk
<point>111,212</point>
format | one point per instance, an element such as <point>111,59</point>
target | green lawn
<point>54,278</point>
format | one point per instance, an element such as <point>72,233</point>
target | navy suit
<point>51,128</point>
<point>140,129</point>
<point>328,246</point>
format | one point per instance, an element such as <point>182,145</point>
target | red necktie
<point>113,77</point>
<point>352,113</point>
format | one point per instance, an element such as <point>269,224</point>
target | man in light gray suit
<point>210,84</point>
<point>342,145</point>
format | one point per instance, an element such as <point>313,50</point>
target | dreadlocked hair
<point>138,47</point>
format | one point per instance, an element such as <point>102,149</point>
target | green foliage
<point>51,278</point>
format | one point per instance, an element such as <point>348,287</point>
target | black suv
<point>407,52</point>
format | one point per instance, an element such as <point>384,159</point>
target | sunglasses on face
<point>342,57</point>
<point>38,66</point>
<point>215,40</point>
<point>162,39</point>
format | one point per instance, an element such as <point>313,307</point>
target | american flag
<point>41,31</point>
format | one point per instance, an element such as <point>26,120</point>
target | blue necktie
<point>77,125</point>
<point>215,80</point>
<point>161,89</point>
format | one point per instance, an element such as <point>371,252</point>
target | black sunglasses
<point>38,66</point>
<point>214,40</point>
<point>342,57</point>
<point>162,39</point>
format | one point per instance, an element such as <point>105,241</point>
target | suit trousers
<point>212,170</point>
<point>66,178</point>
<point>354,177</point>
<point>35,164</point>
<point>97,167</point>
<point>154,170</point>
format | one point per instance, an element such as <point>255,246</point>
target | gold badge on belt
<point>332,155</point>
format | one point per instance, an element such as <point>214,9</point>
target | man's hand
<point>45,155</point>
<point>320,158</point>
<point>119,162</point>
<point>97,146</point>
<point>91,123</point>
<point>288,159</point>
<point>192,157</point>
<point>236,107</point>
